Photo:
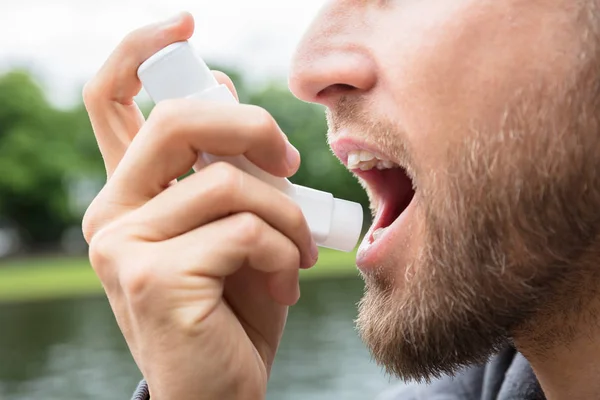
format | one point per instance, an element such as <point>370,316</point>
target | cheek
<point>456,68</point>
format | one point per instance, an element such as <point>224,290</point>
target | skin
<point>489,106</point>
<point>199,273</point>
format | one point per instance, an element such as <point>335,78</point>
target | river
<point>73,350</point>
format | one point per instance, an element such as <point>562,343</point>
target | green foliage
<point>38,152</point>
<point>44,150</point>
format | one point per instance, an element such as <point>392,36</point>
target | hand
<point>199,273</point>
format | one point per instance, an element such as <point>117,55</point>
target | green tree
<point>38,154</point>
<point>44,150</point>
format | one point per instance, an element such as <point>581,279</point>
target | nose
<point>333,58</point>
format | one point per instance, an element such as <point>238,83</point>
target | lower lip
<point>373,255</point>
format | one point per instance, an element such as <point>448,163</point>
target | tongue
<point>397,193</point>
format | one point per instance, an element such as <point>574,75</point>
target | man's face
<point>490,213</point>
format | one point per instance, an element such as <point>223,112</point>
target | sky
<point>64,42</point>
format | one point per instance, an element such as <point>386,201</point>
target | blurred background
<point>58,338</point>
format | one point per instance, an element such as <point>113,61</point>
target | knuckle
<point>91,221</point>
<point>132,41</point>
<point>264,129</point>
<point>103,249</point>
<point>137,279</point>
<point>227,179</point>
<point>164,115</point>
<point>249,228</point>
<point>297,219</point>
<point>91,92</point>
<point>89,225</point>
<point>262,122</point>
<point>132,37</point>
<point>96,215</point>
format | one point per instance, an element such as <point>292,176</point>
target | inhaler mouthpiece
<point>177,71</point>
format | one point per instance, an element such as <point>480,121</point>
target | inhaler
<point>177,71</point>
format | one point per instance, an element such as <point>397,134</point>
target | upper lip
<point>343,146</point>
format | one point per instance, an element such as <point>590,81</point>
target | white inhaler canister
<point>177,71</point>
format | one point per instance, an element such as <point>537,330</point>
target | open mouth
<point>391,188</point>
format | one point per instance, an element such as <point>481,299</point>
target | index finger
<point>109,96</point>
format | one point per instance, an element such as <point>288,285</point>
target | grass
<point>54,278</point>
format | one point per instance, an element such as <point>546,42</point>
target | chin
<point>480,245</point>
<point>418,333</point>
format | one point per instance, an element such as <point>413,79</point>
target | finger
<point>177,130</point>
<point>248,294</point>
<point>223,79</point>
<point>105,250</point>
<point>108,97</point>
<point>223,247</point>
<point>215,192</point>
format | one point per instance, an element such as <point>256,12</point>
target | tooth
<point>364,160</point>
<point>378,233</point>
<point>366,156</point>
<point>367,165</point>
<point>385,164</point>
<point>353,159</point>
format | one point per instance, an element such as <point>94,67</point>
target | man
<point>485,237</point>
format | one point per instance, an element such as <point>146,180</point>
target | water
<point>73,349</point>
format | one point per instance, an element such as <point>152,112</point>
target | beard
<point>510,237</point>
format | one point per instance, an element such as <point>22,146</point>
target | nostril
<point>335,89</point>
<point>320,76</point>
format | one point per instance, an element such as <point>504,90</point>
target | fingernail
<point>314,251</point>
<point>292,156</point>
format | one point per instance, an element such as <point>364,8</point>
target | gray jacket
<point>507,376</point>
